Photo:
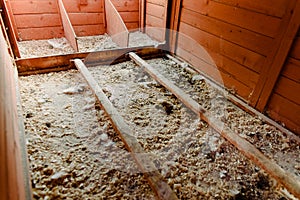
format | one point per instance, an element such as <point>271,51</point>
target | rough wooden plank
<point>292,70</point>
<point>68,28</point>
<point>34,7</point>
<point>94,6</point>
<point>86,18</point>
<point>89,30</point>
<point>55,63</point>
<point>289,89</point>
<point>36,21</point>
<point>288,180</point>
<point>146,165</point>
<point>115,25</point>
<point>41,33</point>
<point>126,5</point>
<point>275,61</point>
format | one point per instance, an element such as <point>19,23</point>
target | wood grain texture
<point>146,165</point>
<point>115,25</point>
<point>68,28</point>
<point>40,33</point>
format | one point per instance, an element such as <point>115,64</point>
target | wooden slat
<point>37,21</point>
<point>275,61</point>
<point>34,7</point>
<point>142,7</point>
<point>288,180</point>
<point>68,28</point>
<point>259,23</point>
<point>274,8</point>
<point>285,112</point>
<point>155,10</point>
<point>86,18</point>
<point>94,6</point>
<point>115,25</point>
<point>174,24</point>
<point>41,33</point>
<point>155,179</point>
<point>292,70</point>
<point>288,89</point>
<point>157,2</point>
<point>89,30</point>
<point>126,5</point>
<point>243,37</point>
<point>295,52</point>
<point>154,21</point>
<point>130,16</point>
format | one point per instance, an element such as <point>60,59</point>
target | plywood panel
<point>257,22</point>
<point>115,25</point>
<point>35,21</point>
<point>40,33</point>
<point>243,37</point>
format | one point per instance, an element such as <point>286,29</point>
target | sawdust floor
<point>60,46</point>
<point>75,154</point>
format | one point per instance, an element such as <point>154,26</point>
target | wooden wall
<point>40,19</point>
<point>284,104</point>
<point>156,18</point>
<point>12,181</point>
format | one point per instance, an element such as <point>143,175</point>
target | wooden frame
<point>68,28</point>
<point>155,179</point>
<point>288,180</point>
<point>116,27</point>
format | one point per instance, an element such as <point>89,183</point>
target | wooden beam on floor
<point>48,64</point>
<point>288,180</point>
<point>154,178</point>
<point>68,28</point>
<point>115,25</point>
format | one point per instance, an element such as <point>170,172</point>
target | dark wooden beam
<point>287,179</point>
<point>155,179</point>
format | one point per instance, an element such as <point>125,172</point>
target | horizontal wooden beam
<point>154,178</point>
<point>288,180</point>
<point>62,62</point>
<point>116,27</point>
<point>68,28</point>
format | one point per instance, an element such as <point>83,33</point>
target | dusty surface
<point>95,43</point>
<point>195,161</point>
<point>60,46</point>
<point>73,151</point>
<point>39,48</point>
<point>273,143</point>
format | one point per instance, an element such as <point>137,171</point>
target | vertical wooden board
<point>142,14</point>
<point>257,22</point>
<point>68,28</point>
<point>86,18</point>
<point>41,33</point>
<point>115,25</point>
<point>34,7</point>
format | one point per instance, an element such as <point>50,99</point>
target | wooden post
<point>68,28</point>
<point>174,24</point>
<point>154,178</point>
<point>275,60</point>
<point>142,15</point>
<point>288,180</point>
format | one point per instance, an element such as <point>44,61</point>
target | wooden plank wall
<point>12,184</point>
<point>237,35</point>
<point>156,18</point>
<point>36,19</point>
<point>129,11</point>
<point>284,104</point>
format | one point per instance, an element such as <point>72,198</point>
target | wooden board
<point>34,7</point>
<point>37,21</point>
<point>155,179</point>
<point>115,25</point>
<point>41,33</point>
<point>89,30</point>
<point>288,180</point>
<point>68,28</point>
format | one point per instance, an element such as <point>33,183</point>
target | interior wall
<point>35,19</point>
<point>12,181</point>
<point>284,104</point>
<point>156,18</point>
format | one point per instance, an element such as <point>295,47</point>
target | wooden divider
<point>116,27</point>
<point>288,180</point>
<point>155,179</point>
<point>68,28</point>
